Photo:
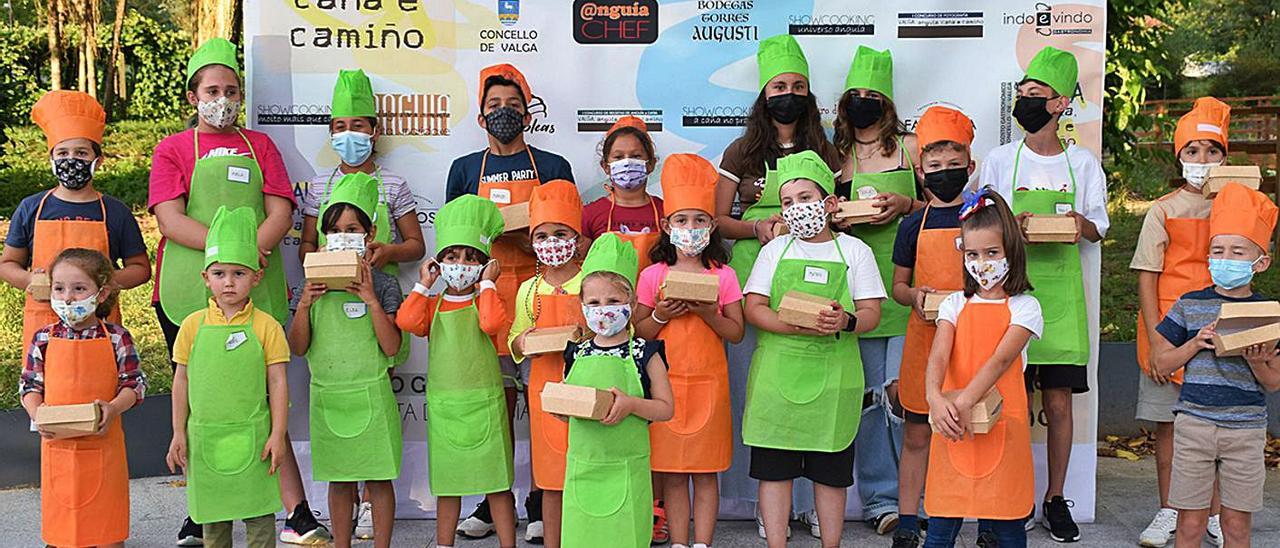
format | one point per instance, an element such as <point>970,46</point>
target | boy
<point>1220,419</point>
<point>926,238</point>
<point>230,395</point>
<point>1041,175</point>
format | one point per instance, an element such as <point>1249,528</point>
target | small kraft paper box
<point>515,217</point>
<point>69,421</point>
<point>550,339</point>
<point>1050,229</point>
<point>858,211</point>
<point>335,269</point>
<point>985,413</point>
<point>801,309</point>
<point>571,400</point>
<point>691,286</point>
<point>780,228</point>
<point>40,286</point>
<point>1241,325</point>
<point>1220,176</point>
<point>931,303</point>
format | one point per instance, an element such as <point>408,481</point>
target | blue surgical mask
<point>1231,273</point>
<point>353,147</point>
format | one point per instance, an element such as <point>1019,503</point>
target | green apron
<point>804,393</point>
<point>233,181</point>
<point>893,316</point>
<point>608,490</point>
<point>1054,270</point>
<point>228,427</point>
<point>746,250</point>
<point>354,417</point>
<point>381,220</point>
<point>467,427</point>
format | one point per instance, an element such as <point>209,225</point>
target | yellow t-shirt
<point>1148,254</point>
<point>265,327</point>
<point>524,304</point>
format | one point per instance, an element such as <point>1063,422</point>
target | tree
<point>214,19</point>
<point>53,14</point>
<point>1136,60</point>
<point>113,60</point>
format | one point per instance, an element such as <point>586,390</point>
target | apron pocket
<point>694,402</point>
<point>801,371</point>
<point>75,475</point>
<point>347,413</point>
<point>463,424</point>
<point>229,448</point>
<point>979,456</point>
<point>599,488</point>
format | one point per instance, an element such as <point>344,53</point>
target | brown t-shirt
<point>748,173</point>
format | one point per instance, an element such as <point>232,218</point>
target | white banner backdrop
<point>685,67</point>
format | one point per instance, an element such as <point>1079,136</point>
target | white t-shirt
<point>862,274</point>
<point>1024,310</point>
<point>1036,172</point>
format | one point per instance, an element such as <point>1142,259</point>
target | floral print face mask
<point>607,320</point>
<point>555,251</point>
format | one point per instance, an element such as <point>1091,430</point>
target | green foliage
<point>157,57</point>
<point>1241,40</point>
<point>23,51</point>
<point>1135,60</point>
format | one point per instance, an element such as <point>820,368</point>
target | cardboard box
<point>336,269</point>
<point>39,286</point>
<point>931,303</point>
<point>985,413</point>
<point>1050,229</point>
<point>550,339</point>
<point>571,400</point>
<point>858,211</point>
<point>1220,176</point>
<point>515,217</point>
<point>1241,325</point>
<point>780,228</point>
<point>802,309</point>
<point>69,421</point>
<point>691,286</point>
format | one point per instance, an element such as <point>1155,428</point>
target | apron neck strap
<point>1017,160</point>
<point>528,149</point>
<point>252,154</point>
<point>657,219</point>
<point>40,207</point>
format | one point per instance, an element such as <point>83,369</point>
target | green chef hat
<point>610,254</point>
<point>779,55</point>
<point>871,70</point>
<point>468,220</point>
<point>353,95</point>
<point>1056,68</point>
<point>215,51</point>
<point>358,189</point>
<point>806,164</point>
<point>233,238</point>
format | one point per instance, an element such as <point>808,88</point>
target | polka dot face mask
<point>805,219</point>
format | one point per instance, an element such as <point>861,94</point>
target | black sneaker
<point>302,528</point>
<point>479,524</point>
<point>987,539</point>
<point>190,534</point>
<point>533,533</point>
<point>906,539</point>
<point>1057,519</point>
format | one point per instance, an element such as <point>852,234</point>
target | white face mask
<point>345,241</point>
<point>805,219</point>
<point>988,273</point>
<point>1195,174</point>
<point>220,112</point>
<point>460,276</point>
<point>629,173</point>
<point>608,319</point>
<point>74,312</point>
<point>690,241</point>
<point>554,251</point>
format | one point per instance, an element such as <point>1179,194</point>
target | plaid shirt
<point>127,362</point>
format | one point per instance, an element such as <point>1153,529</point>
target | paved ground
<point>1126,502</point>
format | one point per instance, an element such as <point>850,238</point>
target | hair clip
<point>974,201</point>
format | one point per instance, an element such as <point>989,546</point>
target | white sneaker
<point>364,521</point>
<point>810,518</point>
<point>533,533</point>
<point>474,527</point>
<point>1161,529</point>
<point>760,526</point>
<point>1215,530</point>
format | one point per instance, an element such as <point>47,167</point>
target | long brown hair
<point>760,140</point>
<point>888,128</point>
<point>91,262</point>
<point>997,215</point>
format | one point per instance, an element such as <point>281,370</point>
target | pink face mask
<point>555,251</point>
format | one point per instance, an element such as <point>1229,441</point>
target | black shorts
<point>1042,376</point>
<point>169,329</point>
<point>831,469</point>
<point>915,418</point>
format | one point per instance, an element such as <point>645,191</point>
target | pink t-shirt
<point>652,276</point>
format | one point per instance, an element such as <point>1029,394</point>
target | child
<point>984,476</point>
<point>72,214</point>
<point>549,299</point>
<point>697,443</point>
<point>1219,429</point>
<point>467,427</point>
<point>607,483</point>
<point>1042,175</point>
<point>1171,260</point>
<point>230,395</point>
<point>926,260</point>
<point>627,156</point>
<point>803,395</point>
<point>350,339</point>
<point>84,481</point>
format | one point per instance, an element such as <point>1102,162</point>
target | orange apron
<point>514,264</point>
<point>939,264</point>
<point>1186,269</point>
<point>986,476</point>
<point>549,436</point>
<point>642,241</point>
<point>699,437</point>
<point>48,239</point>
<point>84,493</point>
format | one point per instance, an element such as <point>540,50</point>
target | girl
<point>984,476</point>
<point>607,484</point>
<point>84,481</point>
<point>467,430</point>
<point>349,339</point>
<point>627,156</point>
<point>697,443</point>
<point>549,299</point>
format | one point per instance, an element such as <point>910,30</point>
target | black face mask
<point>504,124</point>
<point>785,108</point>
<point>946,184</point>
<point>1031,113</point>
<point>864,112</point>
<point>73,173</point>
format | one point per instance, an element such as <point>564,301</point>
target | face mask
<point>504,124</point>
<point>806,219</point>
<point>74,173</point>
<point>1231,273</point>
<point>353,147</point>
<point>988,273</point>
<point>1031,113</point>
<point>1195,174</point>
<point>460,276</point>
<point>629,173</point>
<point>864,112</point>
<point>74,312</point>
<point>555,251</point>
<point>220,112</point>
<point>690,241</point>
<point>607,320</point>
<point>345,241</point>
<point>785,108</point>
<point>948,183</point>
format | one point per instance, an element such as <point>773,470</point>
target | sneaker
<point>987,539</point>
<point>533,533</point>
<point>302,528</point>
<point>661,535</point>
<point>190,534</point>
<point>1057,519</point>
<point>364,521</point>
<point>884,523</point>
<point>1160,530</point>
<point>810,518</point>
<point>1029,524</point>
<point>479,524</point>
<point>1214,532</point>
<point>533,509</point>
<point>906,539</point>
<point>760,526</point>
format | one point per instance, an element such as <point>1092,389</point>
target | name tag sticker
<point>1062,208</point>
<point>238,174</point>
<point>500,195</point>
<point>355,310</point>
<point>236,339</point>
<point>815,275</point>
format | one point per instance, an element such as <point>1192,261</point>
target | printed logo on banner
<point>427,210</point>
<point>714,115</point>
<point>832,24</point>
<point>508,12</point>
<point>1053,19</point>
<point>306,114</point>
<point>940,24</point>
<point>538,109</point>
<point>508,40</point>
<point>416,114</point>
<point>615,21</point>
<point>600,120</point>
<point>725,21</point>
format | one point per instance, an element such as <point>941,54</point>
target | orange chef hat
<point>556,202</point>
<point>943,124</point>
<point>689,182</point>
<point>510,73</point>
<point>1241,210</point>
<point>628,121</point>
<point>66,115</point>
<point>1208,119</point>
